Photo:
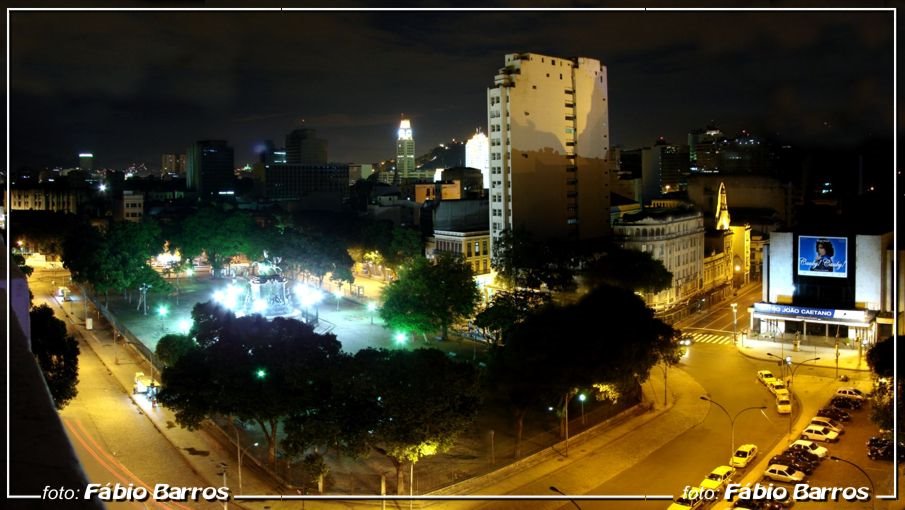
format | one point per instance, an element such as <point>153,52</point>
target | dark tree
<point>57,353</point>
<point>881,357</point>
<point>430,296</point>
<point>250,368</point>
<point>630,269</point>
<point>424,401</point>
<point>507,309</point>
<point>172,347</point>
<point>523,262</point>
<point>79,252</point>
<point>19,260</point>
<point>610,341</point>
<point>221,235</point>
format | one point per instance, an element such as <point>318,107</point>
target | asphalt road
<point>112,438</point>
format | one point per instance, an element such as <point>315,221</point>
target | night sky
<point>129,86</point>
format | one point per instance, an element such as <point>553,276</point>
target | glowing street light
<point>401,338</point>
<point>261,373</point>
<point>102,187</point>
<point>308,297</point>
<point>185,325</point>
<point>163,311</point>
<point>582,398</point>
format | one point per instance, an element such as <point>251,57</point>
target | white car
<point>743,455</point>
<point>820,433</point>
<point>777,387</point>
<point>765,377</point>
<point>718,478</point>
<point>854,393</point>
<point>783,473</point>
<point>810,446</point>
<point>783,404</point>
<point>828,422</point>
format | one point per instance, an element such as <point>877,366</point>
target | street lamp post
<point>795,366</point>
<point>731,420</point>
<point>734,322</point>
<point>222,472</point>
<point>581,398</point>
<point>873,491</point>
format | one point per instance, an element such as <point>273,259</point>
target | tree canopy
<point>507,309</point>
<point>117,259</point>
<point>881,357</point>
<point>421,400</point>
<point>523,262</point>
<point>248,367</point>
<point>57,353</point>
<point>630,269</point>
<point>221,235</point>
<point>430,296</point>
<point>609,339</point>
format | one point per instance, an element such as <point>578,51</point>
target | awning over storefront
<point>852,318</point>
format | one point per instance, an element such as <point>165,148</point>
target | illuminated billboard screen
<point>823,256</point>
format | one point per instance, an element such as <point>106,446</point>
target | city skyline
<point>820,78</point>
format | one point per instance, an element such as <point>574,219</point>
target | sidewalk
<point>848,358</point>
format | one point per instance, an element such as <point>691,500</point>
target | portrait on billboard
<point>823,256</point>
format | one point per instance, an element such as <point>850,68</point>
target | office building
<point>406,169</point>
<point>303,147</point>
<point>86,161</point>
<point>211,168</point>
<point>549,146</point>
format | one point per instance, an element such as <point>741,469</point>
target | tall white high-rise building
<point>477,155</point>
<point>549,147</point>
<point>405,152</point>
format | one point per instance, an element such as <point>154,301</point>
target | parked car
<point>846,403</point>
<point>828,422</point>
<point>783,405</point>
<point>783,473</point>
<point>810,446</point>
<point>878,441</point>
<point>743,455</point>
<point>834,413</point>
<point>795,462</point>
<point>718,478</point>
<point>804,454</point>
<point>777,387</point>
<point>820,433</point>
<point>854,393</point>
<point>885,451</point>
<point>765,377</point>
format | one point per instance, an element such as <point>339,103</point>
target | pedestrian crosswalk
<point>711,338</point>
